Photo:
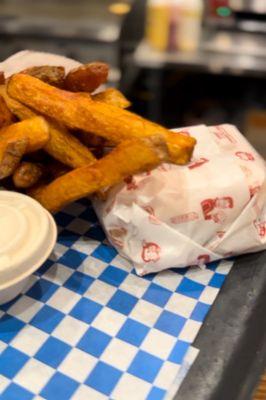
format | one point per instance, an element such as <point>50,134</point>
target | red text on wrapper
<point>221,133</point>
<point>151,252</point>
<point>198,163</point>
<point>188,217</point>
<point>152,218</point>
<point>213,208</point>
<point>245,156</point>
<point>261,228</point>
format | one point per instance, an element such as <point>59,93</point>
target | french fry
<point>27,174</point>
<point>87,77</point>
<point>66,148</point>
<point>6,116</point>
<point>128,158</point>
<point>80,112</point>
<point>34,130</point>
<point>11,156</point>
<point>62,145</point>
<point>112,96</point>
<point>53,75</point>
<point>20,110</point>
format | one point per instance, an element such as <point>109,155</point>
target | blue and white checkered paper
<point>87,327</point>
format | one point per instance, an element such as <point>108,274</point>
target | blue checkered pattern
<point>87,327</point>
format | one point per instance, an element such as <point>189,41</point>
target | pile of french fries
<point>54,132</point>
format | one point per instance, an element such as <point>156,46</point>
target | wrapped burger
<point>174,216</point>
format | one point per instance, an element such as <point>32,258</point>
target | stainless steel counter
<point>224,59</point>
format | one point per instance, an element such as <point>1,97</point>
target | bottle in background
<point>190,23</point>
<point>157,24</point>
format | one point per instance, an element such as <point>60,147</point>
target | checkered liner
<point>87,327</point>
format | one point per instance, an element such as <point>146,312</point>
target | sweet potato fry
<point>62,145</point>
<point>15,107</point>
<point>6,116</point>
<point>67,148</point>
<point>35,130</point>
<point>87,78</point>
<point>11,156</point>
<point>112,96</point>
<point>27,174</point>
<point>128,158</point>
<point>53,75</point>
<point>81,112</point>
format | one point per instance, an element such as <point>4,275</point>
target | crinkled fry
<point>80,112</point>
<point>27,174</point>
<point>128,158</point>
<point>87,77</point>
<point>6,116</point>
<point>11,156</point>
<point>112,96</point>
<point>34,130</point>
<point>63,146</point>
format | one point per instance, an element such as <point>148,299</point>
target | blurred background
<point>181,62</point>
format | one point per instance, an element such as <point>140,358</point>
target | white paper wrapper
<point>28,58</point>
<point>174,216</point>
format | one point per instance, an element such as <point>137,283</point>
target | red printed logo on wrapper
<point>213,208</point>
<point>222,134</point>
<point>151,252</point>
<point>188,217</point>
<point>198,163</point>
<point>245,156</point>
<point>261,228</point>
<point>117,236</point>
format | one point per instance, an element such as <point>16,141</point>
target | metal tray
<point>232,341</point>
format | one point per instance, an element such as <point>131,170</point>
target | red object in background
<point>214,5</point>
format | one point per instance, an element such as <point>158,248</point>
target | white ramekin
<point>27,237</point>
